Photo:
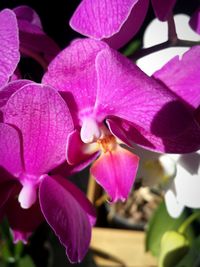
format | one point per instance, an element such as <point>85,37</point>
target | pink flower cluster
<point>90,100</point>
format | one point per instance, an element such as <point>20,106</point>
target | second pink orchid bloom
<point>109,98</point>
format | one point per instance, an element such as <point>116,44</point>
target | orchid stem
<point>182,229</point>
<point>35,56</point>
<point>179,43</point>
<point>172,35</point>
<point>173,41</point>
<point>101,200</point>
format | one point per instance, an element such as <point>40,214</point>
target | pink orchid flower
<point>116,22</point>
<point>32,143</point>
<point>9,45</point>
<point>34,42</point>
<point>183,190</point>
<point>110,98</point>
<point>21,31</point>
<point>186,78</point>
<point>178,174</point>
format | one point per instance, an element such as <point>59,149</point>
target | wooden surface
<point>120,248</point>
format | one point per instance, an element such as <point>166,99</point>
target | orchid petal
<point>195,21</point>
<point>66,216</point>
<point>79,196</point>
<point>5,192</point>
<point>44,120</point>
<point>23,221</point>
<point>115,22</point>
<point>20,236</point>
<point>16,75</point>
<point>174,207</point>
<point>155,61</point>
<point>183,190</point>
<point>77,151</point>
<point>131,134</point>
<point>115,171</point>
<point>26,13</point>
<point>186,78</point>
<point>74,148</point>
<point>32,37</point>
<point>126,92</point>
<point>9,52</point>
<point>10,157</point>
<point>122,130</point>
<point>73,72</point>
<point>66,170</point>
<point>9,89</point>
<point>163,9</point>
<point>187,180</point>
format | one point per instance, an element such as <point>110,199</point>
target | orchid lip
<point>97,136</point>
<point>108,143</point>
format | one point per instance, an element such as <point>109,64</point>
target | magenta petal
<point>9,52</point>
<point>73,72</point>
<point>44,120</point>
<point>186,142</point>
<point>10,157</point>
<point>186,76</point>
<point>66,215</point>
<point>23,221</point>
<point>32,37</point>
<point>126,92</point>
<point>162,8</point>
<point>79,196</point>
<point>74,148</point>
<point>130,27</point>
<point>115,171</point>
<point>9,89</point>
<point>113,21</point>
<point>20,236</point>
<point>6,190</point>
<point>195,21</point>
<point>122,130</point>
<point>76,151</point>
<point>28,14</point>
<point>16,75</point>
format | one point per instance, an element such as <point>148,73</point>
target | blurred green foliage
<point>175,242</point>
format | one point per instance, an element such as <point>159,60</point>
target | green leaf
<point>2,264</point>
<point>6,253</point>
<point>192,258</point>
<point>131,48</point>
<point>18,249</point>
<point>173,248</point>
<point>26,262</point>
<point>159,224</point>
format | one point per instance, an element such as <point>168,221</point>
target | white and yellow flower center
<point>97,137</point>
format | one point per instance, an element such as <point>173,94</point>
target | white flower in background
<point>184,190</point>
<point>178,174</point>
